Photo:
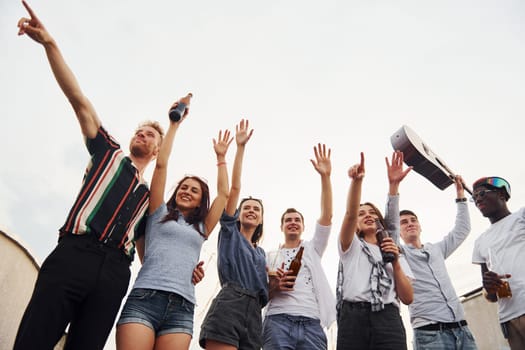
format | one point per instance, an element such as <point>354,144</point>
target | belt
<point>442,325</point>
<point>359,304</point>
<point>363,304</point>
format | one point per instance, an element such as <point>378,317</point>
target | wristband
<point>459,200</point>
<point>221,163</point>
<point>490,297</point>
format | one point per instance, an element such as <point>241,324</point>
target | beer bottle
<point>295,264</point>
<point>380,234</point>
<point>177,112</point>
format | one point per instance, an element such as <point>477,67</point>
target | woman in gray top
<point>158,313</point>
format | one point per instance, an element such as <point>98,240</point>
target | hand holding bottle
<point>286,280</point>
<point>382,234</point>
<point>180,108</point>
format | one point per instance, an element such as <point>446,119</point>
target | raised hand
<point>460,190</point>
<point>322,163</point>
<point>222,143</point>
<point>175,113</point>
<point>242,135</point>
<point>33,27</point>
<point>357,171</point>
<point>395,170</point>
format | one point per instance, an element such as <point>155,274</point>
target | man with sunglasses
<point>500,253</point>
<point>436,313</point>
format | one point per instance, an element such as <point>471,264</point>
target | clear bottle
<point>380,234</point>
<point>295,264</point>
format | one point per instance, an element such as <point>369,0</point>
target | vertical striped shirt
<point>113,199</point>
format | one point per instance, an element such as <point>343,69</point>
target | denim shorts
<point>164,312</point>
<point>234,318</point>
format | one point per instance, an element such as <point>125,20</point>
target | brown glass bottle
<point>380,234</point>
<point>504,290</point>
<point>295,265</point>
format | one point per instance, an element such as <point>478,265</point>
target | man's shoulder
<point>103,139</point>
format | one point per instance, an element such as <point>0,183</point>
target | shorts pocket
<point>141,293</point>
<point>187,306</point>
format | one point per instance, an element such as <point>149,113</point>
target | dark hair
<point>407,212</point>
<point>378,213</point>
<point>198,214</point>
<point>258,233</point>
<point>291,210</point>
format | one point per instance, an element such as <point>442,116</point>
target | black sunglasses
<point>480,194</point>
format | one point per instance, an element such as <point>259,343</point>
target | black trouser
<point>359,328</point>
<point>81,283</point>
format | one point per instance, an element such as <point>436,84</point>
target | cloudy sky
<point>345,73</point>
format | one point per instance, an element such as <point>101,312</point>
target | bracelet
<point>490,297</point>
<point>459,200</point>
<point>221,163</point>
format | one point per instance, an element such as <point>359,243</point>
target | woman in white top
<point>368,288</point>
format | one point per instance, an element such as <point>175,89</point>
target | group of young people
<point>82,283</point>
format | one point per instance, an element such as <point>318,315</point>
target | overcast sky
<point>345,73</point>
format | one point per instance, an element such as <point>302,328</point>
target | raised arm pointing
<point>349,226</point>
<point>86,115</point>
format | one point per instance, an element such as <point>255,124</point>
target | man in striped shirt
<point>82,282</point>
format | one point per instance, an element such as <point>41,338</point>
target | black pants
<point>359,328</point>
<point>81,283</point>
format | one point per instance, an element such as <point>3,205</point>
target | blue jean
<point>164,312</point>
<point>287,332</point>
<point>455,339</point>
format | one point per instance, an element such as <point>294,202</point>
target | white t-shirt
<point>302,301</point>
<point>357,269</point>
<point>505,241</point>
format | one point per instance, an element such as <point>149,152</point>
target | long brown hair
<point>198,214</point>
<point>258,233</point>
<point>378,213</point>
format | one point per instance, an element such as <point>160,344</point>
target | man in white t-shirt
<point>500,252</point>
<point>300,306</point>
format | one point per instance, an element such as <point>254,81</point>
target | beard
<point>139,150</point>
